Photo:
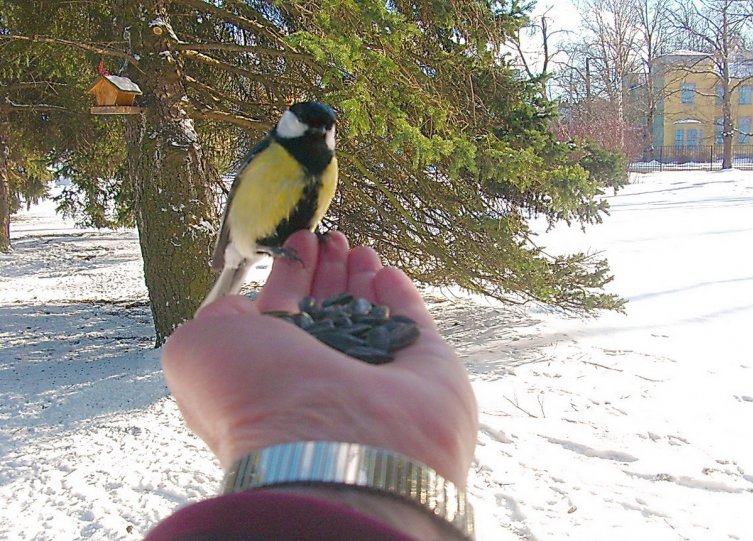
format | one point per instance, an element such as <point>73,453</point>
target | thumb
<point>227,306</point>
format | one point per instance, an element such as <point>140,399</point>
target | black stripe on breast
<point>310,151</point>
<point>301,217</point>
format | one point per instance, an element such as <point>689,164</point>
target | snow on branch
<point>99,49</point>
<point>9,105</point>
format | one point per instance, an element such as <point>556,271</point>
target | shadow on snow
<point>63,364</point>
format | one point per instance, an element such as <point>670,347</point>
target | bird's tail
<point>229,282</point>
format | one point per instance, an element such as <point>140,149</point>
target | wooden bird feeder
<point>115,96</point>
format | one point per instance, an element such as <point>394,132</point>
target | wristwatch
<point>371,469</point>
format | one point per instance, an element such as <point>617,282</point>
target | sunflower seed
<point>367,319</point>
<point>303,320</point>
<point>359,306</point>
<point>322,325</point>
<point>403,319</point>
<point>358,329</point>
<point>340,340</point>
<point>370,355</point>
<point>379,337</point>
<point>342,320</point>
<point>342,298</point>
<point>308,305</point>
<point>403,336</point>
<point>354,326</point>
<point>379,312</point>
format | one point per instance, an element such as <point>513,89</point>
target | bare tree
<point>653,20</point>
<point>720,28</point>
<point>614,45</point>
<point>587,110</point>
<point>601,67</point>
<point>535,47</point>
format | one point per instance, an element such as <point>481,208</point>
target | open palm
<point>244,380</point>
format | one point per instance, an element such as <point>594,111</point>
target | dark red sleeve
<point>268,516</point>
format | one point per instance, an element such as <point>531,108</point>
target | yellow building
<point>689,110</point>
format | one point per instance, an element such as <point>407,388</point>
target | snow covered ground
<point>621,427</point>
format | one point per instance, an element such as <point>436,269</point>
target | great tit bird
<point>286,183</point>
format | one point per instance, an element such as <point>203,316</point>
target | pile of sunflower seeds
<point>354,326</point>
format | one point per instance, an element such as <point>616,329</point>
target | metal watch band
<point>357,466</point>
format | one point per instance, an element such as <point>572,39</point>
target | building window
<point>719,131</point>
<point>719,94</point>
<point>743,127</point>
<point>679,138</point>
<point>687,93</point>
<point>746,95</point>
<point>692,138</point>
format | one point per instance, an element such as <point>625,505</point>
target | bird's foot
<point>279,251</point>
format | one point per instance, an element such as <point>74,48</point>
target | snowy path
<point>618,427</point>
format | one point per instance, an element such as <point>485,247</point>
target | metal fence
<point>700,158</point>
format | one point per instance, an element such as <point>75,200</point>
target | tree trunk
<point>4,196</point>
<point>170,177</point>
<point>729,133</point>
<point>648,128</point>
<point>727,89</point>
<point>727,153</point>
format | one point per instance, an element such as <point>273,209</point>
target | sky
<point>563,16</point>
<point>563,13</point>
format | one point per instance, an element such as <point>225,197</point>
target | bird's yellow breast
<point>269,189</point>
<point>327,191</point>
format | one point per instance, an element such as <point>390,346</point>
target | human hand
<point>244,381</point>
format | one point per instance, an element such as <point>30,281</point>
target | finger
<point>394,289</point>
<point>331,274</point>
<point>290,281</point>
<point>363,264</point>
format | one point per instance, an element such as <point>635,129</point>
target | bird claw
<point>287,253</point>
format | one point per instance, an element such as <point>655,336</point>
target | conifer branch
<point>212,93</point>
<point>9,106</point>
<point>214,62</point>
<point>223,116</point>
<point>256,25</point>
<point>30,84</point>
<point>382,188</point>
<point>234,47</point>
<point>105,51</point>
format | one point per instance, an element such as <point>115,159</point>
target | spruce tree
<point>445,150</point>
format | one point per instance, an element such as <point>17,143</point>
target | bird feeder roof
<point>123,84</point>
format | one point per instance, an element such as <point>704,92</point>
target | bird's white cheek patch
<point>290,127</point>
<point>330,138</point>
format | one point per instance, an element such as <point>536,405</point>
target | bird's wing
<point>218,259</point>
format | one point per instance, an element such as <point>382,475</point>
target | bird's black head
<point>314,114</point>
<point>307,118</point>
<point>307,131</point>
